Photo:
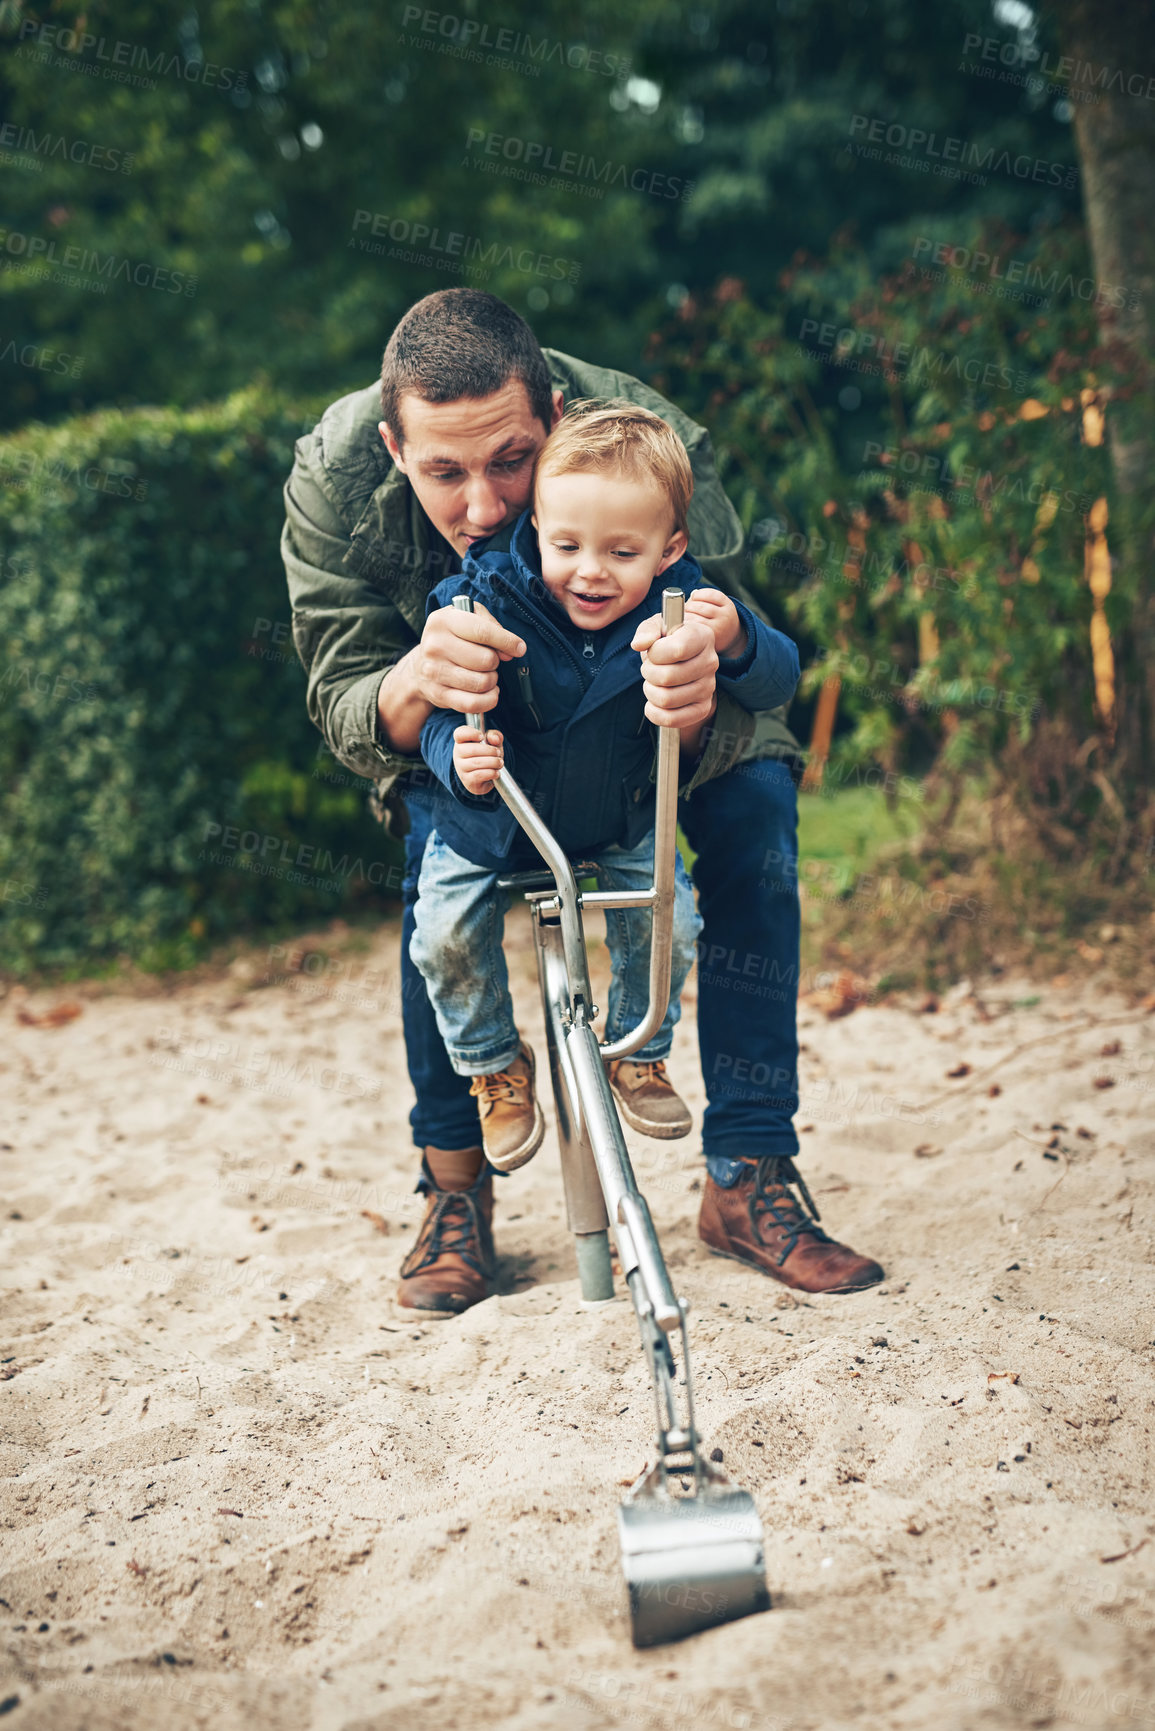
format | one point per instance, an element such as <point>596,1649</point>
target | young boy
<point>611,491</point>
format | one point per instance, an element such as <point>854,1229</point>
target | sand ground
<point>240,1489</point>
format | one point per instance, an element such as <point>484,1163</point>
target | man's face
<point>603,540</point>
<point>470,463</point>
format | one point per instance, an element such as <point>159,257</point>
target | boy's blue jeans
<point>456,944</point>
<point>743,827</point>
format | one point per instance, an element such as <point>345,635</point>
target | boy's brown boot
<point>759,1221</point>
<point>647,1098</point>
<point>512,1126</point>
<point>451,1266</point>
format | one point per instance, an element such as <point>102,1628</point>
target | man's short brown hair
<point>461,342</point>
<point>616,437</point>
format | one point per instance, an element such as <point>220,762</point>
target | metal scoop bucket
<point>691,1542</point>
<point>690,1562</point>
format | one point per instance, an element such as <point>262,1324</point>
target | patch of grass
<point>894,896</point>
<point>854,826</point>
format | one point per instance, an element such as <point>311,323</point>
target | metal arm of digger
<point>638,1249</point>
<point>695,1560</point>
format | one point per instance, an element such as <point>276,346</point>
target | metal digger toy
<point>692,1558</point>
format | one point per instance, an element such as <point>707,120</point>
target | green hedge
<point>160,782</point>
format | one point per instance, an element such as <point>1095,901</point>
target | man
<point>386,494</point>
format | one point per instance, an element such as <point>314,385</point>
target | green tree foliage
<point>207,170</point>
<point>215,211</point>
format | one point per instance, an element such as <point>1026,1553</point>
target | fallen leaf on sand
<point>297,961</point>
<point>53,1018</point>
<point>841,997</point>
<point>926,1151</point>
<point>236,1512</point>
<point>1002,1375</point>
<point>1103,1082</point>
<point>959,1070</point>
<point>378,1221</point>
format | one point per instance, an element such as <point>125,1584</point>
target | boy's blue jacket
<point>571,710</point>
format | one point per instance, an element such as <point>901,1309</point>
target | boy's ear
<point>673,550</point>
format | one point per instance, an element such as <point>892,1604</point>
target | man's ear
<point>673,550</point>
<point>391,445</point>
<point>558,409</point>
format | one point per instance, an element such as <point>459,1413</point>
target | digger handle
<point>464,604</point>
<point>665,861</point>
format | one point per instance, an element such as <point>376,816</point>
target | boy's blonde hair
<point>617,437</point>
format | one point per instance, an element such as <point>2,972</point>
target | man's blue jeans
<point>460,918</point>
<point>743,828</point>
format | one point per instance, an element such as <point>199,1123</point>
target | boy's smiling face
<point>603,540</point>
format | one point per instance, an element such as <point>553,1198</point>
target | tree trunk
<point>1112,43</point>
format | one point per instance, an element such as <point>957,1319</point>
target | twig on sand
<point>1119,1555</point>
<point>1025,1046</point>
<point>1042,1202</point>
<point>1043,1147</point>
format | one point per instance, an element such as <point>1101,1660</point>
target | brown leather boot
<point>451,1266</point>
<point>760,1222</point>
<point>647,1099</point>
<point>512,1125</point>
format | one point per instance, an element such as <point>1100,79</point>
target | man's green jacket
<point>361,556</point>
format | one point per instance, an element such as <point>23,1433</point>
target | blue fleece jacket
<point>572,711</point>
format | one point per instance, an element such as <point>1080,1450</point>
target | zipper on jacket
<point>541,623</point>
<point>547,625</point>
<point>525,686</point>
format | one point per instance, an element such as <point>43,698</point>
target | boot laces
<point>654,1068</point>
<point>775,1172</point>
<point>454,1228</point>
<point>502,1085</point>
